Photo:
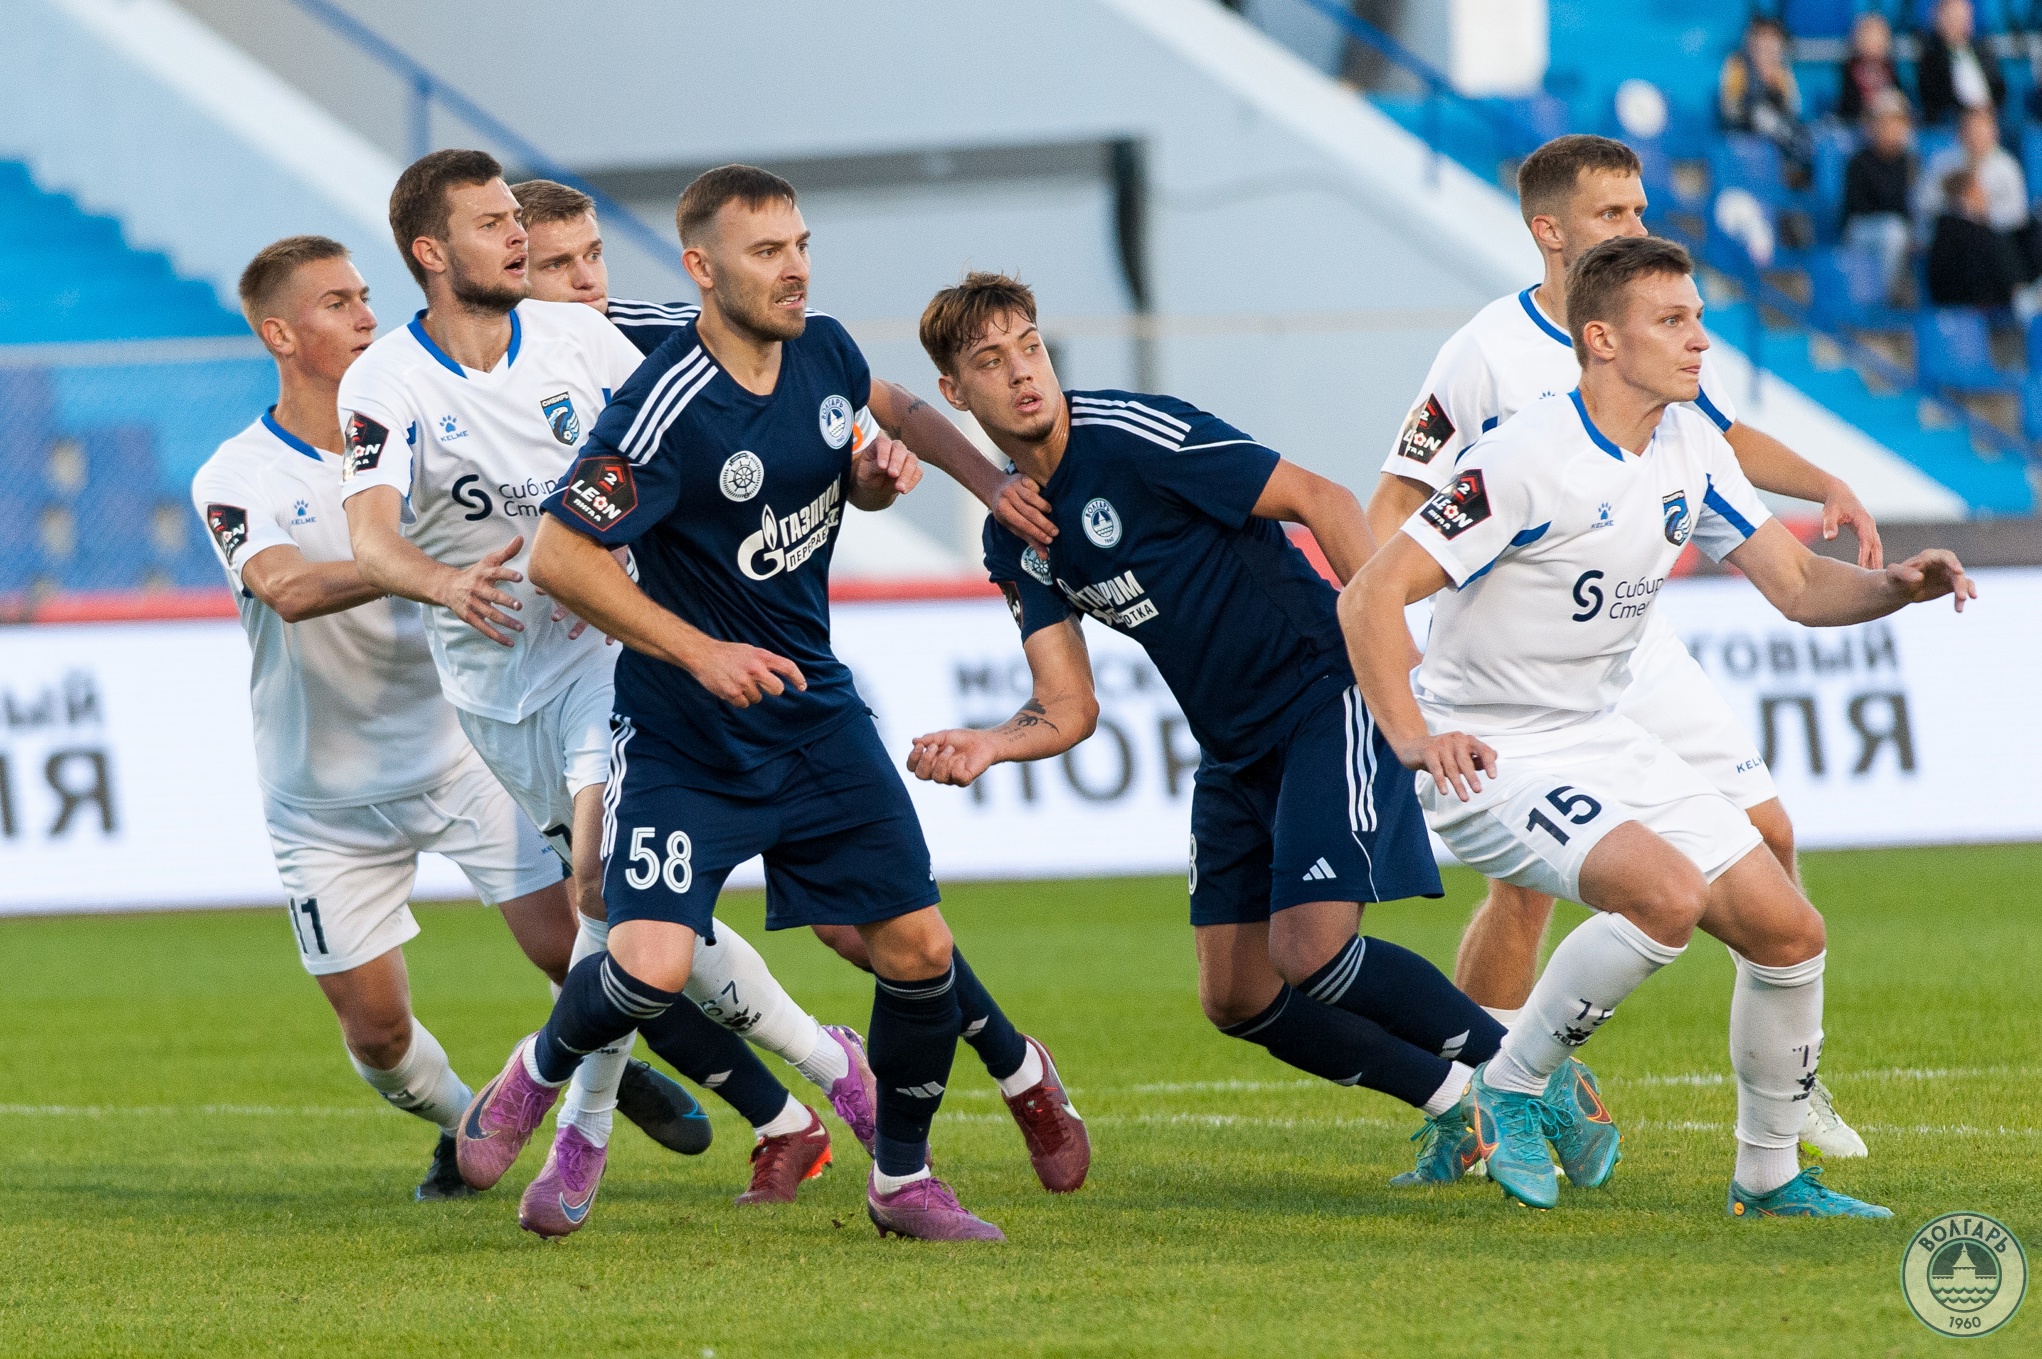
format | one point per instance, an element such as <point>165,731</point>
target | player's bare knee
<point>1667,905</point>
<point>378,1040</point>
<point>844,941</point>
<point>909,947</point>
<point>1225,1007</point>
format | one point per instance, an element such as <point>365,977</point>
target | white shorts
<point>1671,697</point>
<point>1556,794</point>
<point>553,752</point>
<point>348,870</point>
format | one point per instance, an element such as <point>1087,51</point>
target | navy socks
<point>1407,995</point>
<point>717,1060</point>
<point>1343,1048</point>
<point>914,1038</point>
<point>986,1026</point>
<point>599,1003</point>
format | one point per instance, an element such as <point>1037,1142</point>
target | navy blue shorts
<point>840,838</point>
<point>1329,815</point>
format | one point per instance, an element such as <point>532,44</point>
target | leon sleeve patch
<point>1458,506</point>
<point>229,527</point>
<point>601,491</point>
<point>1426,431</point>
<point>365,440</point>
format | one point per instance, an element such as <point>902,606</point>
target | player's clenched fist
<point>742,675</point>
<point>472,596</point>
<point>1454,759</point>
<point>952,757</point>
<point>883,469</point>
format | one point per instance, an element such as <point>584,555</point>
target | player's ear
<point>276,335</point>
<point>1545,229</point>
<point>952,393</point>
<point>696,261</point>
<point>431,254</point>
<point>1597,339</point>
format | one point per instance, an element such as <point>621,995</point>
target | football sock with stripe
<point>591,1100</point>
<point>914,1040</point>
<point>1343,1048</point>
<point>988,1030</point>
<point>717,1060</point>
<point>600,1005</point>
<point>1601,961</point>
<point>1775,1046</point>
<point>1407,995</point>
<point>734,987</point>
<point>423,1081</point>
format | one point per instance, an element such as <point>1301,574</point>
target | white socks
<point>888,1184</point>
<point>1450,1090</point>
<point>591,1101</point>
<point>1026,1076</point>
<point>1775,1044</point>
<point>1504,1017</point>
<point>423,1083</point>
<point>734,987</point>
<point>1603,960</point>
<point>792,1118</point>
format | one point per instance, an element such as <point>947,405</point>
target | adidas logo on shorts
<point>1320,872</point>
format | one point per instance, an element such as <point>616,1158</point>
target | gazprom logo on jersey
<point>561,419</point>
<point>835,421</point>
<point>784,544</point>
<point>1102,522</point>
<point>1119,603</point>
<point>1679,522</point>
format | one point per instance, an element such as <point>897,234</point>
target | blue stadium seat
<point>1953,351</point>
<point>1819,18</point>
<point>1834,147</point>
<point>1846,291</point>
<point>1742,161</point>
<point>1990,16</point>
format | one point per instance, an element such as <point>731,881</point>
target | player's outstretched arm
<point>1060,713</point>
<point>581,574</point>
<point>1325,507</point>
<point>1772,466</point>
<point>1823,593</point>
<point>1395,500</point>
<point>1014,500</point>
<point>1379,647</point>
<point>394,565</point>
<point>297,589</point>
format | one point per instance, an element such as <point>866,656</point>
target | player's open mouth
<point>792,300</point>
<point>1028,403</point>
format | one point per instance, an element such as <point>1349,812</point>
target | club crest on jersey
<point>1426,431</point>
<point>1679,522</point>
<point>835,420</point>
<point>1033,563</point>
<point>601,491</point>
<point>1102,522</point>
<point>365,440</point>
<point>229,527</point>
<point>561,419</point>
<point>742,475</point>
<point>1459,505</point>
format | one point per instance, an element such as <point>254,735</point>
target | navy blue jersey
<point>730,503</point>
<point>650,324</point>
<point>1153,503</point>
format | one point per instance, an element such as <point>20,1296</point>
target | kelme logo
<point>1964,1274</point>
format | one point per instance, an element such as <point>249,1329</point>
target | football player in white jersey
<point>362,763</point>
<point>1557,532</point>
<point>1575,192</point>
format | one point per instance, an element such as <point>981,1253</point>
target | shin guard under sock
<point>1343,1048</point>
<point>914,1039</point>
<point>599,1004</point>
<point>1407,995</point>
<point>986,1027</point>
<point>717,1060</point>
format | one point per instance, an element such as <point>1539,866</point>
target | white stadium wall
<point>130,784</point>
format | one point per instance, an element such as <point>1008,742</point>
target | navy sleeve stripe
<point>1708,408</point>
<point>1715,501</point>
<point>1142,430</point>
<point>663,404</point>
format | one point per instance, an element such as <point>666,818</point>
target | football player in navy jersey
<point>1171,534</point>
<point>726,463</point>
<point>567,265</point>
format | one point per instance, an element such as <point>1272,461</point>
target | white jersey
<point>1510,355</point>
<point>474,454</point>
<point>347,707</point>
<point>1557,542</point>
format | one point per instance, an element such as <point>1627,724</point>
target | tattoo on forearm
<point>893,430</point>
<point>1033,714</point>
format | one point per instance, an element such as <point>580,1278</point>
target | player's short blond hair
<point>545,201</point>
<point>957,316</point>
<point>273,267</point>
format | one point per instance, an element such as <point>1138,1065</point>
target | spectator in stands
<point>1868,69</point>
<point>1757,93</point>
<point>1878,186</point>
<point>1970,264</point>
<point>1955,71</point>
<point>1999,179</point>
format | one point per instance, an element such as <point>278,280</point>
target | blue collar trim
<point>1601,441</point>
<point>1538,317</point>
<point>417,329</point>
<point>269,422</point>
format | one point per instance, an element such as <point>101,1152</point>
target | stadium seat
<point>1742,161</point>
<point>1819,18</point>
<point>1846,291</point>
<point>1953,351</point>
<point>1834,147</point>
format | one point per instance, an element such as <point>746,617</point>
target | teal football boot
<point>1511,1131</point>
<point>1446,1149</point>
<point>1588,1137</point>
<point>1802,1196</point>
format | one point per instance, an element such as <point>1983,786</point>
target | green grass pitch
<point>187,1165</point>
